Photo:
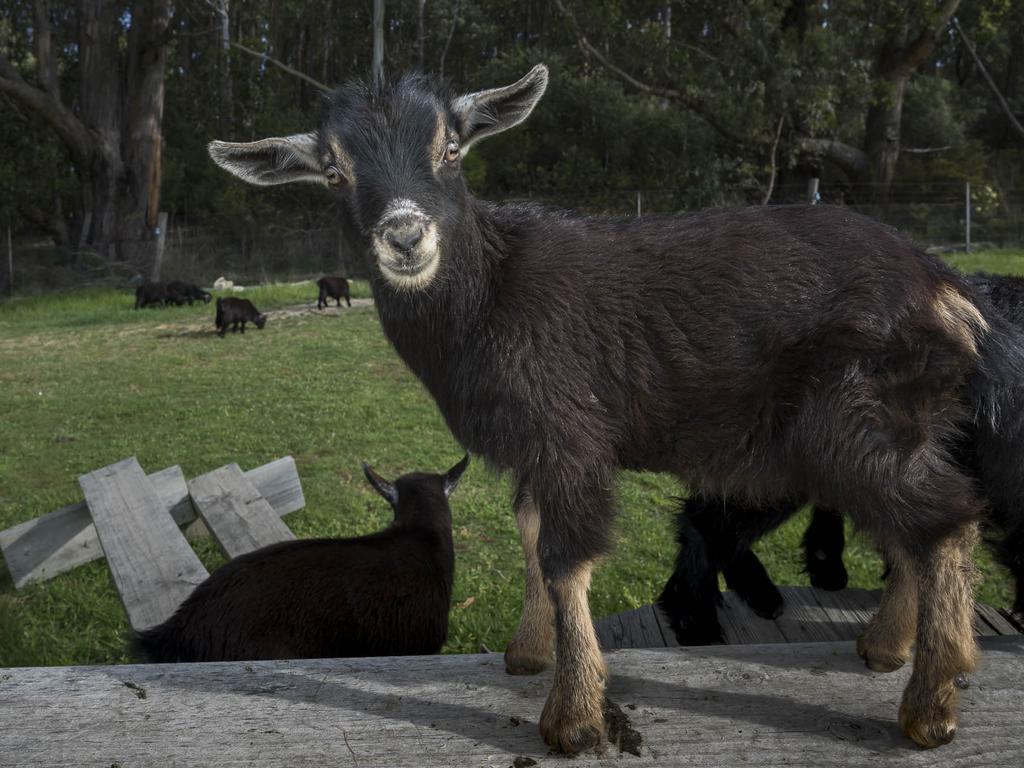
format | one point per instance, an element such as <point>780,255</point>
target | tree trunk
<point>378,41</point>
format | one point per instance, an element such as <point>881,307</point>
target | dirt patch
<point>621,732</point>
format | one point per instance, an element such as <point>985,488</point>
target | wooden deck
<point>798,704</point>
<point>811,615</point>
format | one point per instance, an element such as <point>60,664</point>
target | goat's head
<point>416,492</point>
<point>260,321</point>
<point>394,155</point>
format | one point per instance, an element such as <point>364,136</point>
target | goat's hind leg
<point>946,647</point>
<point>887,640</point>
<point>533,645</point>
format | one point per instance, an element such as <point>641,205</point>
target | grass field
<point>85,381</point>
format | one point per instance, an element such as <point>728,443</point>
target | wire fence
<point>936,216</point>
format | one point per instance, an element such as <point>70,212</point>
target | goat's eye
<point>451,152</point>
<point>333,176</point>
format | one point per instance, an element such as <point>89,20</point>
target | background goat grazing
<point>772,352</point>
<point>150,293</point>
<point>385,594</point>
<point>335,288</point>
<point>180,292</point>
<point>714,534</point>
<point>235,312</point>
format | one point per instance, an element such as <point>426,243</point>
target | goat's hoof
<point>524,664</point>
<point>768,604</point>
<point>930,729</point>
<point>699,633</point>
<point>880,659</point>
<point>571,725</point>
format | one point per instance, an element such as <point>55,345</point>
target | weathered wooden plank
<point>803,620</point>
<point>239,518</point>
<point>641,628</point>
<point>742,626</point>
<point>1015,618</point>
<point>153,566</point>
<point>39,549</point>
<point>847,616</point>
<point>797,705</point>
<point>995,619</point>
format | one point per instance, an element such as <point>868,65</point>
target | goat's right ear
<point>280,160</point>
<point>382,486</point>
<point>451,477</point>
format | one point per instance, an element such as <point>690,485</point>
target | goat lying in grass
<point>385,594</point>
<point>335,288</point>
<point>763,353</point>
<point>715,535</point>
<point>235,312</point>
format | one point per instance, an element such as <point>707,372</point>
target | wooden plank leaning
<point>153,566</point>
<point>239,518</point>
<point>39,549</point>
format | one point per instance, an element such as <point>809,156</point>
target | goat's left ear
<point>451,477</point>
<point>382,486</point>
<point>484,113</point>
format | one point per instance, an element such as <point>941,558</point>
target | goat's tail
<point>218,321</point>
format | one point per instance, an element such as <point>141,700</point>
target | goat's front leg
<point>533,645</point>
<point>574,527</point>
<point>573,719</point>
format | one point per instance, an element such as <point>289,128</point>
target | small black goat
<point>716,535</point>
<point>180,292</point>
<point>235,312</point>
<point>335,288</point>
<point>385,594</point>
<point>151,293</point>
<point>761,353</point>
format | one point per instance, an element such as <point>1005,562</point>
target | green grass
<point>86,381</point>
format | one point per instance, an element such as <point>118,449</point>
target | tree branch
<point>988,79</point>
<point>852,161</point>
<point>919,50</point>
<point>282,65</point>
<point>71,130</point>
<point>695,105</point>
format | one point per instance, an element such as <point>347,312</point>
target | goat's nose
<point>404,237</point>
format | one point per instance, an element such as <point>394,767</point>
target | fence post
<point>639,212</point>
<point>967,218</point>
<point>161,239</point>
<point>812,190</point>
<point>10,263</point>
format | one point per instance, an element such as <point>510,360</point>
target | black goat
<point>716,535</point>
<point>180,292</point>
<point>235,312</point>
<point>151,293</point>
<point>762,353</point>
<point>385,594</point>
<point>335,288</point>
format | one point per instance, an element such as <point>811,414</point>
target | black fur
<point>691,608</point>
<point>151,293</point>
<point>180,292</point>
<point>335,288</point>
<point>384,594</point>
<point>235,312</point>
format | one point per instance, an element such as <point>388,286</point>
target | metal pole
<point>812,190</point>
<point>967,218</point>
<point>10,263</point>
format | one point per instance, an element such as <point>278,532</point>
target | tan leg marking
<point>946,646</point>
<point>533,645</point>
<point>887,640</point>
<point>959,317</point>
<point>573,718</point>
